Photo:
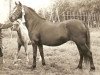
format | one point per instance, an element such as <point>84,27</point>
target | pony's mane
<point>35,12</point>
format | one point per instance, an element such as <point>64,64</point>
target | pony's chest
<point>23,36</point>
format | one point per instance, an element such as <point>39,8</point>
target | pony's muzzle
<point>12,18</point>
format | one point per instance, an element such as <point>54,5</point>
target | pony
<point>43,32</point>
<point>23,38</point>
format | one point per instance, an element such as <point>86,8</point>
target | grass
<point>61,60</point>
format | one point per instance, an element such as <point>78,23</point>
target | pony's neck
<point>32,17</point>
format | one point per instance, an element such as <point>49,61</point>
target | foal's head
<point>15,26</point>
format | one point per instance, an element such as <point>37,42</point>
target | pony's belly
<point>55,37</point>
<point>54,41</point>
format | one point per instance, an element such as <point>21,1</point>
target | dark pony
<point>43,32</point>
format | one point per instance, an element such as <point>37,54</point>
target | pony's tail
<point>88,39</point>
<point>86,57</point>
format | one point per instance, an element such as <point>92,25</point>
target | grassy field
<point>61,60</point>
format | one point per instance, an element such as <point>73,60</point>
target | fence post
<point>64,15</point>
<point>57,15</point>
<point>87,17</point>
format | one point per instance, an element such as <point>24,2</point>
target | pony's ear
<point>15,3</point>
<point>20,3</point>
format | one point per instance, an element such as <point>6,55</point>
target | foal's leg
<point>16,55</point>
<point>26,51</point>
<point>41,53</point>
<point>34,55</point>
<point>81,57</point>
<point>88,54</point>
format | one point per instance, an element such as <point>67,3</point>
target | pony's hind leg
<point>41,53</point>
<point>87,55</point>
<point>16,55</point>
<point>26,52</point>
<point>27,57</point>
<point>81,57</point>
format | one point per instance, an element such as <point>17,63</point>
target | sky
<point>35,4</point>
<point>4,11</point>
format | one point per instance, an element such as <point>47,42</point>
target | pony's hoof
<point>92,69</point>
<point>79,67</point>
<point>43,64</point>
<point>3,61</point>
<point>14,62</point>
<point>32,68</point>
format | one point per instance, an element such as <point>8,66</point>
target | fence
<point>90,19</point>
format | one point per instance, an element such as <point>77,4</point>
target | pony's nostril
<point>12,18</point>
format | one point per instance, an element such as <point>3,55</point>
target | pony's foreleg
<point>26,51</point>
<point>81,57</point>
<point>34,55</point>
<point>41,53</point>
<point>16,55</point>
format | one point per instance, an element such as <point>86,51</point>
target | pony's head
<point>17,12</point>
<point>15,26</point>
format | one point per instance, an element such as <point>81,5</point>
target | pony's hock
<point>43,32</point>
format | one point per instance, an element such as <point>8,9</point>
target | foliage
<point>61,6</point>
<point>79,5</point>
<point>89,5</point>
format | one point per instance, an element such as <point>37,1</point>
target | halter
<point>20,20</point>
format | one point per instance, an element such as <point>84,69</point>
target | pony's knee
<point>89,53</point>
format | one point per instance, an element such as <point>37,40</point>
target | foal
<point>23,38</point>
